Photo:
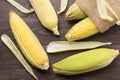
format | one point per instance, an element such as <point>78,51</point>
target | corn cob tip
<point>55,31</point>
<point>67,17</point>
<point>69,13</point>
<point>81,30</point>
<point>68,36</point>
<point>11,12</point>
<point>39,59</point>
<point>45,66</point>
<point>75,13</point>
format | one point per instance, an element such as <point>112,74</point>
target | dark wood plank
<point>11,69</point>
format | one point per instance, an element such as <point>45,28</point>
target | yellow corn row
<point>46,13</point>
<point>28,43</point>
<point>81,30</point>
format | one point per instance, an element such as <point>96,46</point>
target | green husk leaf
<point>59,46</point>
<point>85,61</point>
<point>63,6</point>
<point>20,7</point>
<point>17,53</point>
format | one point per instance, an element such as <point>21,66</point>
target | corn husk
<point>59,46</point>
<point>86,61</point>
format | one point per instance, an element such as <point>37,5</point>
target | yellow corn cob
<point>75,13</point>
<point>28,42</point>
<point>46,14</point>
<point>81,30</point>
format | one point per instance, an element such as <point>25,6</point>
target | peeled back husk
<point>86,61</point>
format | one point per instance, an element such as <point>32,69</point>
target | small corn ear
<point>81,30</point>
<point>29,44</point>
<point>46,14</point>
<point>75,13</point>
<point>86,61</point>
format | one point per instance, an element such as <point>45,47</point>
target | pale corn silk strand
<point>103,8</point>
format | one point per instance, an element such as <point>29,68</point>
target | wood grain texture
<point>11,69</point>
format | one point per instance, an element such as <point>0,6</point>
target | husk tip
<point>58,12</point>
<point>56,32</point>
<point>118,22</point>
<point>55,70</point>
<point>108,43</point>
<point>117,51</point>
<point>35,77</point>
<point>3,35</point>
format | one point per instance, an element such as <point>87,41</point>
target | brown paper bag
<point>90,8</point>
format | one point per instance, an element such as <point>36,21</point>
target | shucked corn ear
<point>85,61</point>
<point>75,13</point>
<point>46,14</point>
<point>28,42</point>
<point>81,30</point>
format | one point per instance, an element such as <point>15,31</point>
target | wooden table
<point>11,69</point>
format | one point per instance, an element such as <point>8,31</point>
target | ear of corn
<point>46,14</point>
<point>85,61</point>
<point>28,42</point>
<point>8,42</point>
<point>81,30</point>
<point>75,13</point>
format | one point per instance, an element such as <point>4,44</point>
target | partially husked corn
<point>81,30</point>
<point>75,13</point>
<point>85,61</point>
<point>46,14</point>
<point>28,42</point>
